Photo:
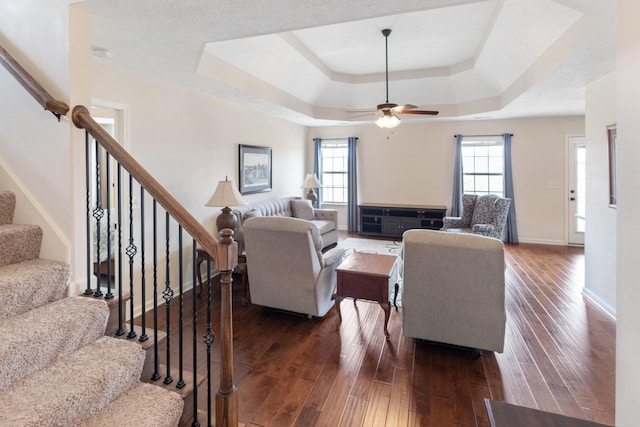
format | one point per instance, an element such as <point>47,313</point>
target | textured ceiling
<point>310,62</point>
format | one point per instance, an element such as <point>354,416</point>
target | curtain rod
<point>336,139</point>
<point>476,136</point>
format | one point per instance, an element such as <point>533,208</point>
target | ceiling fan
<point>388,111</point>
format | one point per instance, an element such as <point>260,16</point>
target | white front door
<point>577,147</point>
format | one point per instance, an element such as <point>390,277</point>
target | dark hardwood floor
<point>559,357</point>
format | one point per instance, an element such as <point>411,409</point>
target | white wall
<point>32,142</point>
<point>189,141</point>
<point>415,166</point>
<point>628,240</point>
<point>600,235</point>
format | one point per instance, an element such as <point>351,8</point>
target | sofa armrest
<point>327,214</point>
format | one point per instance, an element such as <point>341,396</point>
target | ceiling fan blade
<point>401,108</point>
<point>389,110</point>
<point>361,111</point>
<point>369,113</point>
<point>425,112</point>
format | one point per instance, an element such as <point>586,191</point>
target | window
<point>334,171</point>
<point>483,165</point>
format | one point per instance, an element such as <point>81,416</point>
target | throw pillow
<point>302,209</point>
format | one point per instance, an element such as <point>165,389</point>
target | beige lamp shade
<point>311,182</point>
<point>226,194</point>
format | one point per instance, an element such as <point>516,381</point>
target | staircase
<point>57,367</point>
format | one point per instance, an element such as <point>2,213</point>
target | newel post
<point>226,400</point>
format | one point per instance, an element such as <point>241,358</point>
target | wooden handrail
<point>83,120</point>
<point>223,252</point>
<point>48,102</point>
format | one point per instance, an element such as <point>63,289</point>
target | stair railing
<point>223,253</point>
<point>101,149</point>
<point>48,102</point>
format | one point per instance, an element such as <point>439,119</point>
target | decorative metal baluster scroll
<point>167,294</point>
<point>131,252</point>
<point>98,213</point>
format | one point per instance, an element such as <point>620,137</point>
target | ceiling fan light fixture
<point>388,120</point>
<point>389,111</point>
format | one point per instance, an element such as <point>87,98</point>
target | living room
<point>413,166</point>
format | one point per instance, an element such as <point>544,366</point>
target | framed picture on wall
<point>255,169</point>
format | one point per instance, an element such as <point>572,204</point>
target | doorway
<point>576,197</point>
<point>103,179</point>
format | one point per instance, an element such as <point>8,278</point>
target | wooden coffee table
<point>366,276</point>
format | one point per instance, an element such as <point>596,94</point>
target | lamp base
<point>311,196</point>
<point>226,220</point>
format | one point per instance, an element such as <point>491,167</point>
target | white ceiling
<point>311,61</point>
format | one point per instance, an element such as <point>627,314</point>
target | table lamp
<point>226,195</point>
<point>311,183</point>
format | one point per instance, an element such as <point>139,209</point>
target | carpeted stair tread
<point>30,284</point>
<point>7,207</point>
<point>32,340</point>
<point>74,388</point>
<point>143,405</point>
<point>19,242</point>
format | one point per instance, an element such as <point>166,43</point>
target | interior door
<point>576,189</point>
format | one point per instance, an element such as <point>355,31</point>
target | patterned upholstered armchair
<point>485,215</point>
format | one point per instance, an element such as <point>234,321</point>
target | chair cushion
<point>302,209</point>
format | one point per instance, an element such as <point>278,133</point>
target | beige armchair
<point>453,289</point>
<point>287,269</point>
<point>485,215</point>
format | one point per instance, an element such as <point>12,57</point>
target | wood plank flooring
<point>559,357</point>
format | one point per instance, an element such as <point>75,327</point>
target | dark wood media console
<point>393,220</point>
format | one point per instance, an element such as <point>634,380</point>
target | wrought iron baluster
<point>209,338</point>
<point>168,296</point>
<point>194,302</point>
<point>156,356</point>
<point>143,297</point>
<point>98,213</point>
<point>120,330</point>
<point>109,294</point>
<point>131,252</point>
<point>181,382</point>
<point>87,149</point>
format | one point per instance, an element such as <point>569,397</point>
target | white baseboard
<point>611,311</point>
<point>543,241</point>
